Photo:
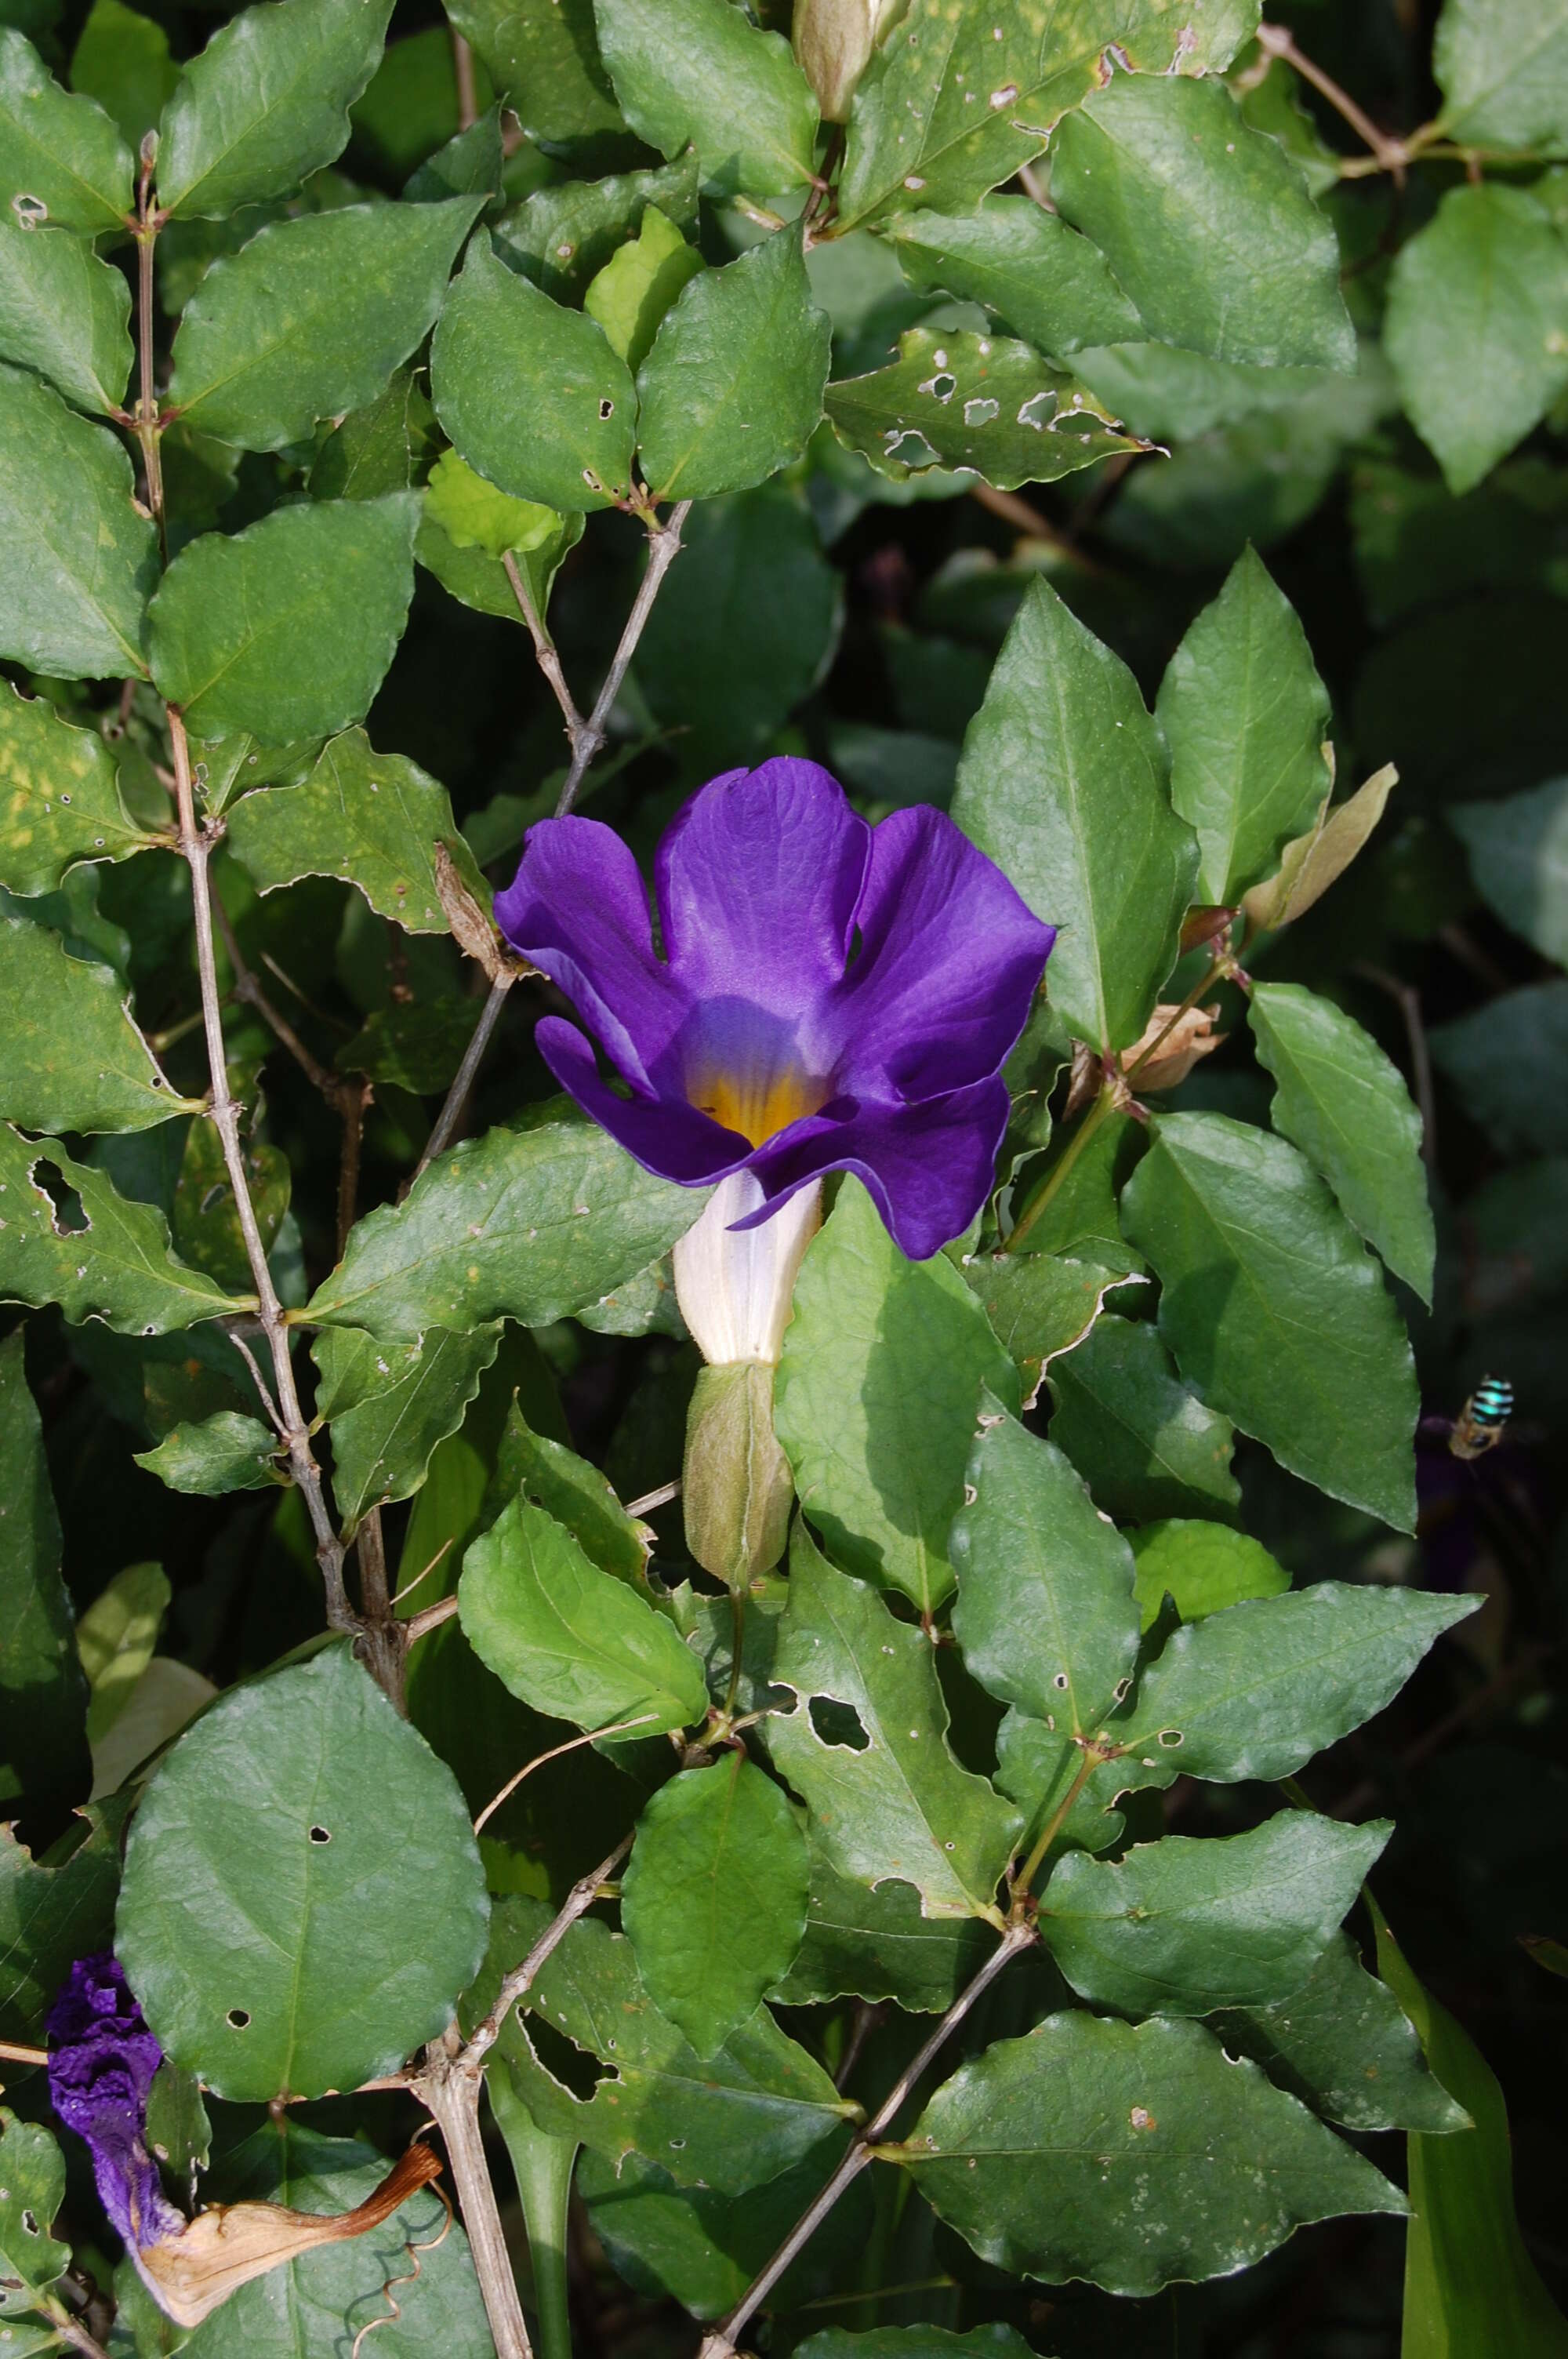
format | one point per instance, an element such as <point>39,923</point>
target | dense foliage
<point>899,1793</point>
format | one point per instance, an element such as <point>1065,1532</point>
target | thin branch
<point>410,1586</point>
<point>664,547</point>
<point>616,1728</point>
<point>468,97</point>
<point>451,2091</point>
<point>248,989</point>
<point>1392,155</point>
<point>578,1900</point>
<point>1027,518</point>
<point>431,1618</point>
<point>652,1499</point>
<point>451,1113</point>
<point>13,2054</point>
<point>544,648</point>
<point>257,1378</point>
<point>352,1099</point>
<point>71,2330</point>
<point>148,223</point>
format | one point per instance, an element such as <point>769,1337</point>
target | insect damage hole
<point>321,1834</point>
<point>238,2018</point>
<point>839,1725</point>
<point>606,408</point>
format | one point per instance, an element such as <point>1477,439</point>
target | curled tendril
<point>390,2316</point>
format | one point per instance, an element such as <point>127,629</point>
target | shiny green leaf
<point>61,159</point>
<point>1049,285</point>
<point>52,1914</point>
<point>874,1943</point>
<point>63,312</point>
<point>226,1452</point>
<point>630,296</point>
<point>130,1279</point>
<point>121,60</point>
<point>697,73</point>
<point>390,1404</point>
<point>544,1471</point>
<point>1203,1567</point>
<point>81,560</point>
<point>543,57</point>
<point>563,235</point>
<point>1039,1306</point>
<point>70,1055</point>
<point>1144,1443</point>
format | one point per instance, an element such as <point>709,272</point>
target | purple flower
<point>831,996</point>
<point>101,2062</point>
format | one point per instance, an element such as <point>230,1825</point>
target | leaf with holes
<point>954,399</point>
<point>130,1279</point>
<point>374,820</point>
<point>286,629</point>
<point>390,1404</point>
<point>532,395</point>
<point>70,1055</point>
<point>1043,2150</point>
<point>42,1690</point>
<point>694,74</point>
<point>1186,1925</point>
<point>226,1452</point>
<point>1044,1612</point>
<point>82,560</point>
<point>61,159</point>
<point>713,1899</point>
<point>63,311</point>
<point>55,1910</point>
<point>32,2188</point>
<point>267,102</point>
<point>1144,1442</point>
<point>1049,285</point>
<point>59,797</point>
<point>895,1805</point>
<point>874,1401</point>
<point>279,1856</point>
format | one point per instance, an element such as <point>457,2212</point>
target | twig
<point>12,2053</point>
<point>451,2091</point>
<point>468,97</point>
<point>866,2017</point>
<point>721,2342</point>
<point>148,222</point>
<point>1392,155</point>
<point>410,1586</point>
<point>544,648</point>
<point>652,1499</point>
<point>451,1113</point>
<point>417,1624</point>
<point>71,2330</point>
<point>664,547</point>
<point>1027,518</point>
<point>616,1728</point>
<point>578,1900</point>
<point>257,1379</point>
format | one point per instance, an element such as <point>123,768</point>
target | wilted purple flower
<point>103,2058</point>
<point>831,996</point>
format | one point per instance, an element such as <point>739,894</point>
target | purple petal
<point>949,960</point>
<point>666,1135</point>
<point>928,1167</point>
<point>103,2058</point>
<point>577,908</point>
<point>758,880</point>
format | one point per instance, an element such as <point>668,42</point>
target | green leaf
<point>389,1405</point>
<point>874,1402</point>
<point>115,1638</point>
<point>1488,274</point>
<point>321,2302</point>
<point>636,286</point>
<point>474,515</point>
<point>59,797</point>
<point>267,102</point>
<point>1472,2290</point>
<point>287,629</point>
<point>1502,67</point>
<point>1206,223</point>
<point>61,159</point>
<point>528,1223</point>
<point>895,1807</point>
<point>63,312</point>
<point>1038,1764</point>
<point>482,582</point>
<point>1341,2044</point>
<point>1045,1613</point>
<point>531,394</point>
<point>735,2120</point>
<point>54,1912</point>
<point>1063,782</point>
<point>1185,1925</point>
<point>874,1943</point>
<point>121,60</point>
<point>415,1046</point>
<point>1519,856</point>
<point>551,1477</point>
<point>279,1856</point>
<point>572,1641</point>
<point>1038,1306</point>
<point>42,1690</point>
<point>130,1279</point>
<point>81,560</point>
<point>1256,1690</point>
<point>470,164</point>
<point>949,110</point>
<point>225,1453</point>
<point>70,1055</point>
<point>1144,1443</point>
<point>385,446</point>
<point>696,73</point>
<point>1050,286</point>
<point>733,388</point>
<point>562,236</point>
<point>32,2188</point>
<point>1495,1058</point>
<point>713,1899</point>
<point>1203,1567</point>
<point>312,318</point>
<point>373,820</point>
<point>207,1227</point>
<point>956,399</point>
<point>1245,716</point>
<point>1346,1106</point>
<point>1042,2152</point>
<point>543,57</point>
<point>1274,1310</point>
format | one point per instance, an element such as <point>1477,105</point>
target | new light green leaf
<point>279,1857</point>
<point>312,318</point>
<point>286,629</point>
<point>1206,223</point>
<point>1502,67</point>
<point>899,1808</point>
<point>1186,1925</point>
<point>1274,1310</point>
<point>1256,1690</point>
<point>61,159</point>
<point>373,820</point>
<point>267,102</point>
<point>631,295</point>
<point>713,1899</point>
<point>733,388</point>
<point>59,797</point>
<point>1050,286</point>
<point>72,1057</point>
<point>226,1452</point>
<point>572,1641</point>
<point>117,1268</point>
<point>1144,1443</point>
<point>532,393</point>
<point>1245,717</point>
<point>388,1405</point>
<point>954,399</point>
<point>80,561</point>
<point>1518,857</point>
<point>115,1639</point>
<point>43,1695</point>
<point>1044,1614</point>
<point>874,1401</point>
<point>1487,275</point>
<point>543,57</point>
<point>1203,1567</point>
<point>1043,2150</point>
<point>1346,1106</point>
<point>529,1223</point>
<point>697,73</point>
<point>562,236</point>
<point>1063,782</point>
<point>474,515</point>
<point>63,312</point>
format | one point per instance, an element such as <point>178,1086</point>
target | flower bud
<point>736,1484</point>
<point>833,41</point>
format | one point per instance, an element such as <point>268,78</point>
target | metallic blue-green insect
<point>1479,1424</point>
